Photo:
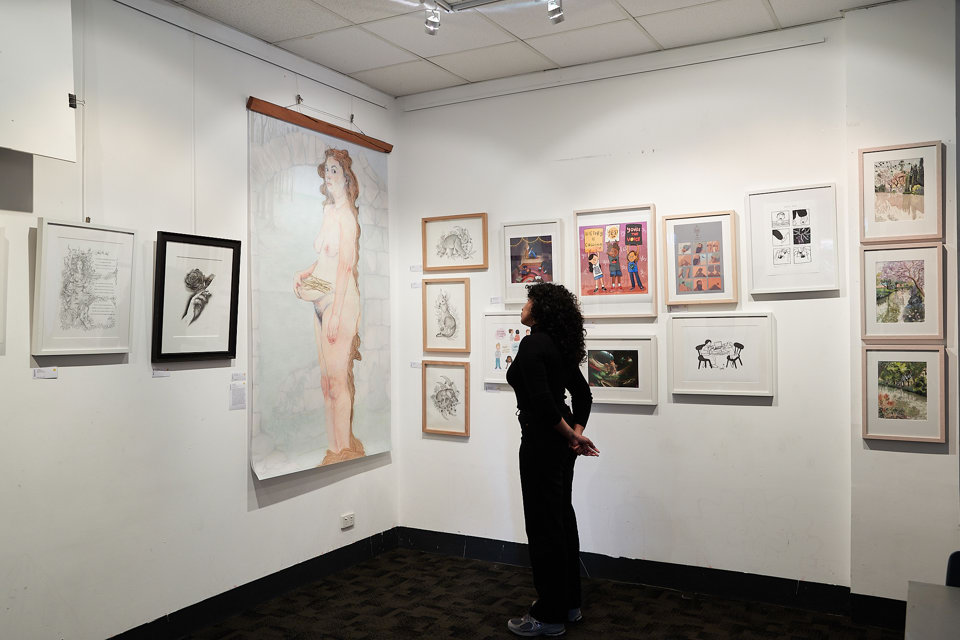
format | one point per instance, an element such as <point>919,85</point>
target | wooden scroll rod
<point>314,124</point>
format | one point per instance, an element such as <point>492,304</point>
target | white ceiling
<point>382,42</point>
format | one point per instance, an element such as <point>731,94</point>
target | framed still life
<point>616,262</point>
<point>502,333</point>
<point>723,354</point>
<point>83,294</point>
<point>700,258</point>
<point>446,315</point>
<point>446,397</point>
<point>903,393</point>
<point>454,243</point>
<point>793,239</point>
<point>901,192</point>
<point>532,252</point>
<point>902,292</point>
<point>621,369</point>
<point>195,297</point>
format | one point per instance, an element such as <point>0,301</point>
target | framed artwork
<point>502,333</point>
<point>446,397</point>
<point>901,192</point>
<point>616,262</point>
<point>195,296</point>
<point>792,238</point>
<point>903,393</point>
<point>446,315</point>
<point>83,293</point>
<point>700,258</point>
<point>454,243</point>
<point>532,252</point>
<point>621,369</point>
<point>902,292</point>
<point>723,354</point>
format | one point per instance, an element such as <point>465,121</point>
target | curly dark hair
<point>557,313</point>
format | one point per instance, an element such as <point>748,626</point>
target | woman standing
<point>547,364</point>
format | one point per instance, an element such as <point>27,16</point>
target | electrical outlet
<point>346,520</point>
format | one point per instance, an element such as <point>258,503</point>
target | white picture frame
<point>445,397</point>
<point>621,369</point>
<point>688,241</point>
<point>531,252</point>
<point>503,329</point>
<point>902,409</point>
<point>83,292</point>
<point>730,354</point>
<point>4,259</point>
<point>902,288</point>
<point>792,239</point>
<point>446,315</point>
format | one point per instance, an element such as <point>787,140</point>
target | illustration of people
<point>633,271</point>
<point>496,356</point>
<point>699,248</point>
<point>699,286</point>
<point>613,254</point>
<point>508,361</point>
<point>597,271</point>
<point>516,337</point>
<point>703,361</point>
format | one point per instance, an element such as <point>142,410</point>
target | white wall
<point>127,497</point>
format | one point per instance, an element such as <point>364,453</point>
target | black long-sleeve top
<point>539,377</point>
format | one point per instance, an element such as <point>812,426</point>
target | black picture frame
<point>198,294</point>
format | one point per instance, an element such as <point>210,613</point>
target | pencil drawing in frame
<point>902,292</point>
<point>83,292</point>
<point>621,369</point>
<point>700,258</point>
<point>446,315</point>
<point>903,393</point>
<point>454,243</point>
<point>532,252</point>
<point>446,397</point>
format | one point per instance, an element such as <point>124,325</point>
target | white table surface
<point>933,612</point>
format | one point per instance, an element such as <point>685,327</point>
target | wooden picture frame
<point>445,389</point>
<point>907,408</point>
<point>446,315</point>
<point>909,278</point>
<point>532,252</point>
<point>196,295</point>
<point>621,369</point>
<point>899,202</point>
<point>449,243</point>
<point>612,236</point>
<point>689,239</point>
<point>502,333</point>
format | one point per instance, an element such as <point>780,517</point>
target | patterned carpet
<point>410,594</point>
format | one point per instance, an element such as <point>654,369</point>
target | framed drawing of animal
<point>454,243</point>
<point>446,397</point>
<point>446,315</point>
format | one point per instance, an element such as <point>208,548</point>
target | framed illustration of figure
<point>792,235</point>
<point>446,397</point>
<point>195,298</point>
<point>901,193</point>
<point>903,393</point>
<point>902,292</point>
<point>700,258</point>
<point>446,315</point>
<point>532,252</point>
<point>502,333</point>
<point>616,261</point>
<point>83,294</point>
<point>454,243</point>
<point>621,369</point>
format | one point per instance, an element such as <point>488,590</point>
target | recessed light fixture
<point>555,11</point>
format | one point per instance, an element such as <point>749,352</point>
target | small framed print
<point>616,262</point>
<point>532,252</point>
<point>700,258</point>
<point>901,192</point>
<point>446,315</point>
<point>902,292</point>
<point>454,243</point>
<point>903,393</point>
<point>723,354</point>
<point>83,296</point>
<point>793,239</point>
<point>502,333</point>
<point>195,298</point>
<point>621,369</point>
<point>446,397</point>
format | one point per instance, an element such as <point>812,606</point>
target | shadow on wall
<point>16,181</point>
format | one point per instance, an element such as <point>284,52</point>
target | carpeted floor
<point>410,594</point>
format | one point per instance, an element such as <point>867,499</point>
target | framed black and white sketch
<point>792,237</point>
<point>901,193</point>
<point>723,354</point>
<point>83,293</point>
<point>446,397</point>
<point>904,397</point>
<point>454,243</point>
<point>195,297</point>
<point>502,333</point>
<point>621,369</point>
<point>446,315</point>
<point>902,292</point>
<point>532,252</point>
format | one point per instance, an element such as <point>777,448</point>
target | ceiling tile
<point>791,13</point>
<point>498,61</point>
<point>407,78</point>
<point>646,7</point>
<point>270,20</point>
<point>526,19</point>
<point>603,42</point>
<point>347,50</point>
<point>708,22</point>
<point>458,32</point>
<point>360,11</point>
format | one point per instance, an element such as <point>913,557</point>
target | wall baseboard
<point>813,596</point>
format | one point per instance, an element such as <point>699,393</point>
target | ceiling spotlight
<point>555,11</point>
<point>432,23</point>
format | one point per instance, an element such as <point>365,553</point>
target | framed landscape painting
<point>532,252</point>
<point>454,243</point>
<point>700,258</point>
<point>902,292</point>
<point>903,393</point>
<point>446,397</point>
<point>502,333</point>
<point>901,192</point>
<point>621,369</point>
<point>616,262</point>
<point>446,315</point>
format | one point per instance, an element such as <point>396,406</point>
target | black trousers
<point>546,479</point>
